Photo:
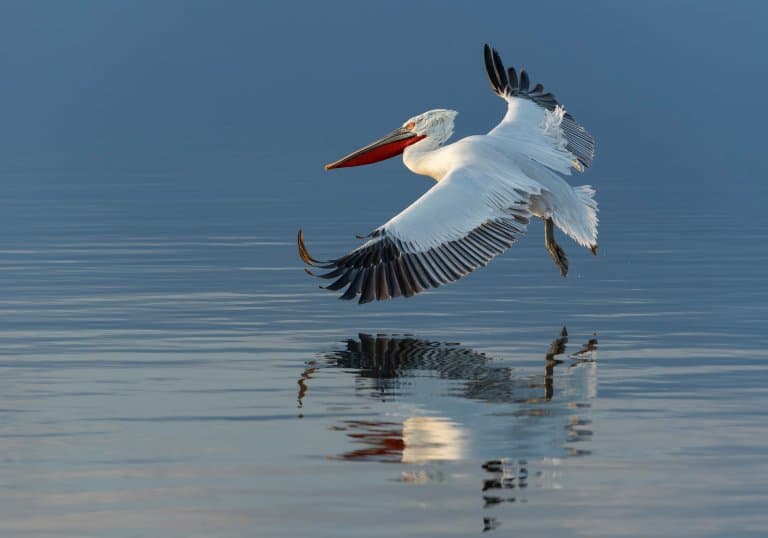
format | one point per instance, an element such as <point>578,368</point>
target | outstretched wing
<point>462,223</point>
<point>534,110</point>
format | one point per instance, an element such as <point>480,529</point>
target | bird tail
<point>581,222</point>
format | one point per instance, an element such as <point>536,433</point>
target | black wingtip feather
<point>306,257</point>
<point>490,70</point>
<point>368,289</point>
<point>506,84</point>
<point>383,268</point>
<point>382,287</point>
<point>525,82</point>
<point>501,73</point>
<point>512,76</point>
<point>354,287</point>
<point>342,281</point>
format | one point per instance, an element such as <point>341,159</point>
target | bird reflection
<point>536,413</point>
<point>386,360</point>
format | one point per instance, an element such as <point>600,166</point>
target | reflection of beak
<point>384,148</point>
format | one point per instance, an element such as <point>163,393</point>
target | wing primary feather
<point>368,289</point>
<point>392,284</point>
<point>408,289</point>
<point>406,283</point>
<point>307,258</point>
<point>352,259</point>
<point>508,229</point>
<point>415,275</point>
<point>354,287</point>
<point>430,262</point>
<point>524,81</point>
<point>448,262</point>
<point>424,274</point>
<point>501,243</point>
<point>502,240</point>
<point>501,73</point>
<point>472,256</point>
<point>391,252</point>
<point>470,244</point>
<point>466,264</point>
<point>332,274</point>
<point>491,70</point>
<point>483,243</point>
<point>382,288</point>
<point>434,267</point>
<point>456,262</point>
<point>494,242</point>
<point>500,235</point>
<point>411,275</point>
<point>369,257</point>
<point>448,270</point>
<point>512,77</point>
<point>342,281</point>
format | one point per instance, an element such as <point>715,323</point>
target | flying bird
<point>487,189</point>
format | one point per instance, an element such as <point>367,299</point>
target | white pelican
<point>487,188</point>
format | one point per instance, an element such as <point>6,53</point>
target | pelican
<point>487,189</point>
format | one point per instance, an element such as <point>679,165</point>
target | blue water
<point>168,369</point>
<point>176,373</point>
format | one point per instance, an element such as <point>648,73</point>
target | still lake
<point>167,369</point>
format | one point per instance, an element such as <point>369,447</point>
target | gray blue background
<point>156,160</point>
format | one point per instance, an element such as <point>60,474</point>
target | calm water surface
<point>167,369</point>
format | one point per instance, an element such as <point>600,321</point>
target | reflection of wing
<point>384,357</point>
<point>460,224</point>
<point>531,109</point>
<point>387,358</point>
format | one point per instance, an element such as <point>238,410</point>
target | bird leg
<point>557,253</point>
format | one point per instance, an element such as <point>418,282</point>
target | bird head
<point>430,130</point>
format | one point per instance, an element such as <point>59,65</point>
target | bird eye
<point>410,125</point>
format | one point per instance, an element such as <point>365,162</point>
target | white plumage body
<point>488,187</point>
<point>526,151</point>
